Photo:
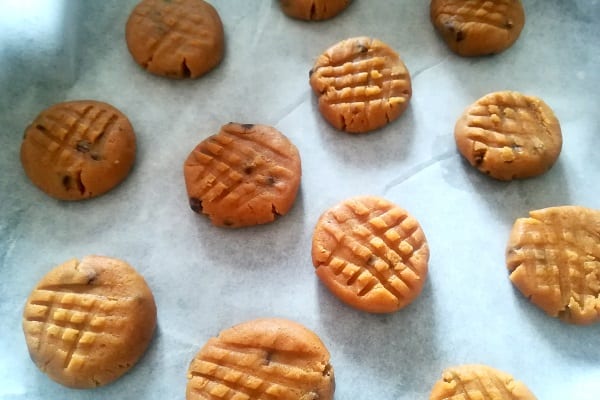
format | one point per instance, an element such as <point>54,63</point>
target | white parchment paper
<point>206,279</point>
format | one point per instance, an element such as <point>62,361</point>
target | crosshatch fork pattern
<point>227,163</point>
<point>478,384</point>
<point>361,83</point>
<point>187,29</point>
<point>507,120</point>
<point>491,13</point>
<point>362,78</point>
<point>71,323</point>
<point>74,132</point>
<point>557,261</point>
<point>375,247</point>
<point>225,371</point>
<point>364,81</point>
<point>183,36</point>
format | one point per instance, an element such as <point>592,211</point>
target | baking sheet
<point>206,279</point>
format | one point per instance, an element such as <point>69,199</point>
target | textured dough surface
<point>362,84</point>
<point>313,10</point>
<point>88,322</point>
<point>509,135</point>
<point>262,359</point>
<point>371,254</point>
<point>78,149</point>
<point>554,259</point>
<point>478,382</point>
<point>478,27</point>
<point>244,175</point>
<point>175,38</point>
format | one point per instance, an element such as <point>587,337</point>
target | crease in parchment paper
<point>262,24</point>
<point>417,169</point>
<point>429,67</point>
<point>10,230</point>
<point>291,107</point>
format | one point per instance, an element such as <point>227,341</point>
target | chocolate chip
<point>83,146</point>
<point>95,156</point>
<point>270,181</point>
<point>66,182</point>
<point>227,223</point>
<point>248,169</point>
<point>310,73</point>
<point>362,48</point>
<point>460,36</point>
<point>42,128</point>
<point>196,204</point>
<point>247,126</point>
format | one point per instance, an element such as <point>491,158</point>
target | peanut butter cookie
<point>175,38</point>
<point>554,260</point>
<point>88,322</point>
<point>262,359</point>
<point>78,149</point>
<point>371,254</point>
<point>509,135</point>
<point>362,84</point>
<point>244,175</point>
<point>478,27</point>
<point>478,382</point>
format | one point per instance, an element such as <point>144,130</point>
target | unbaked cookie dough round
<point>175,38</point>
<point>88,322</point>
<point>268,358</point>
<point>478,27</point>
<point>78,149</point>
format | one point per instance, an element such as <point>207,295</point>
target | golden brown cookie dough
<point>175,38</point>
<point>509,135</point>
<point>478,382</point>
<point>88,322</point>
<point>371,254</point>
<point>554,260</point>
<point>313,10</point>
<point>262,359</point>
<point>362,84</point>
<point>78,149</point>
<point>244,175</point>
<point>478,27</point>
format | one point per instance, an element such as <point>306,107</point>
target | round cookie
<point>88,322</point>
<point>554,260</point>
<point>479,382</point>
<point>313,10</point>
<point>244,175</point>
<point>509,135</point>
<point>78,149</point>
<point>262,359</point>
<point>371,254</point>
<point>478,27</point>
<point>175,38</point>
<point>362,84</point>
